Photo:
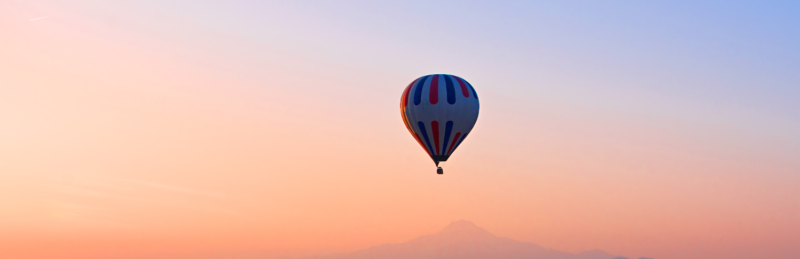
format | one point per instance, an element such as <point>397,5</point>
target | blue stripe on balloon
<point>451,91</point>
<point>473,89</point>
<point>425,136</point>
<point>418,91</point>
<point>447,129</point>
<point>459,142</point>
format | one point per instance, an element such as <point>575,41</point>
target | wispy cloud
<point>38,18</point>
<point>174,188</point>
<point>130,184</point>
<point>96,189</point>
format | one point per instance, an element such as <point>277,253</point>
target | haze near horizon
<point>462,239</point>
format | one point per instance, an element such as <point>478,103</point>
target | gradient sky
<point>200,129</point>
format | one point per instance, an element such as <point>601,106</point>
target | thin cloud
<point>175,188</point>
<point>88,188</point>
<point>38,18</point>
<point>129,184</point>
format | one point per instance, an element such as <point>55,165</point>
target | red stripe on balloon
<point>454,142</point>
<point>435,89</point>
<point>463,86</point>
<point>435,128</point>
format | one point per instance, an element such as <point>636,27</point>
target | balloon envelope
<point>439,111</point>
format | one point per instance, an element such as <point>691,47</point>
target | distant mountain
<point>464,240</point>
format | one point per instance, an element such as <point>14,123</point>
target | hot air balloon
<point>439,110</point>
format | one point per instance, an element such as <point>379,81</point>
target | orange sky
<point>126,138</point>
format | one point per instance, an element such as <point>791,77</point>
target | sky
<point>219,129</point>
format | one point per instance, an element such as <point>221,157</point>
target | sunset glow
<point>242,129</point>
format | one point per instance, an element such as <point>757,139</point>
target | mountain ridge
<point>463,239</point>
